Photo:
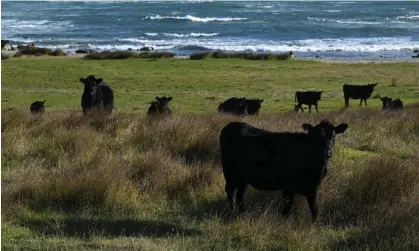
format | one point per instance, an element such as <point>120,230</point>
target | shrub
<point>242,55</point>
<point>110,55</point>
<point>37,51</point>
<point>58,52</point>
<point>127,54</point>
<point>200,55</point>
<point>148,54</point>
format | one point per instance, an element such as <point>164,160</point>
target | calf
<point>37,107</point>
<point>160,106</point>
<point>390,104</point>
<point>308,98</point>
<point>97,94</point>
<point>362,92</point>
<point>295,163</point>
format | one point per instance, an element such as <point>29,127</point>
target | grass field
<point>199,86</point>
<point>129,183</point>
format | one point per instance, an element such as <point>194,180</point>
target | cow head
<point>319,95</point>
<point>163,102</point>
<point>253,105</point>
<point>324,133</point>
<point>91,90</point>
<point>372,86</point>
<point>386,102</point>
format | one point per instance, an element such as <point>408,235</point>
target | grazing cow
<point>241,106</point>
<point>390,104</point>
<point>37,107</point>
<point>160,106</point>
<point>307,98</point>
<point>253,106</point>
<point>295,163</point>
<point>97,94</point>
<point>362,92</point>
<point>236,106</point>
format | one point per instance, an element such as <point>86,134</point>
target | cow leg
<point>301,107</point>
<point>360,103</point>
<point>346,101</point>
<point>365,101</point>
<point>288,199</point>
<point>317,110</point>
<point>230,195</point>
<point>312,204</point>
<point>241,190</point>
<point>309,108</point>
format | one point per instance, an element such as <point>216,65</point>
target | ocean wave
<point>14,27</point>
<point>374,45</point>
<point>191,34</point>
<point>195,19</point>
<point>151,34</point>
<point>414,17</point>
<point>344,21</point>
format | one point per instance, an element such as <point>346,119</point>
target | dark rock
<point>147,48</point>
<point>85,51</point>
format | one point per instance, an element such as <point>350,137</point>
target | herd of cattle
<point>294,163</point>
<point>99,95</point>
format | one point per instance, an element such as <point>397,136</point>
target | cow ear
<point>170,98</point>
<point>381,99</point>
<point>157,98</point>
<point>82,80</point>
<point>306,126</point>
<point>390,99</point>
<point>99,80</point>
<point>261,101</point>
<point>341,128</point>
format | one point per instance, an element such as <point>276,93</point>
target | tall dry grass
<point>130,167</point>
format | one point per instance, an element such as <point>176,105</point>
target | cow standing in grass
<point>295,163</point>
<point>307,98</point>
<point>96,95</point>
<point>362,92</point>
<point>390,104</point>
<point>37,107</point>
<point>160,106</point>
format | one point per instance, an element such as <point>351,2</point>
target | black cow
<point>37,107</point>
<point>362,92</point>
<point>241,106</point>
<point>236,106</point>
<point>97,94</point>
<point>253,106</point>
<point>390,104</point>
<point>307,98</point>
<point>160,106</point>
<point>295,163</point>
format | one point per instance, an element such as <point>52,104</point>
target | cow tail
<point>295,97</point>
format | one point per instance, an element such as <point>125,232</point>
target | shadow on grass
<point>258,203</point>
<point>85,228</point>
<point>198,153</point>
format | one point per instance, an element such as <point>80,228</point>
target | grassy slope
<point>198,86</point>
<point>128,183</point>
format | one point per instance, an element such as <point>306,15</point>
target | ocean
<point>309,29</point>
